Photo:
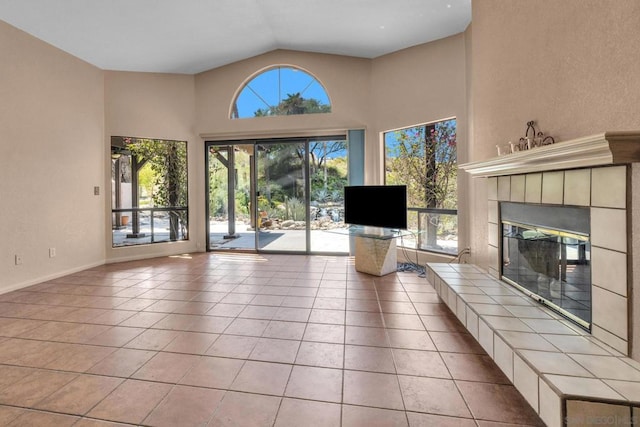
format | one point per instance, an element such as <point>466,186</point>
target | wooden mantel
<point>609,148</point>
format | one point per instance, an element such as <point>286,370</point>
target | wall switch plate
<point>96,191</point>
<point>52,252</point>
<point>18,259</point>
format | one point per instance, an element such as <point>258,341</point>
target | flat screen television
<point>376,205</point>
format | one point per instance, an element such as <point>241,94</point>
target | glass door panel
<point>282,200</point>
<point>277,195</point>
<point>328,172</point>
<point>231,224</point>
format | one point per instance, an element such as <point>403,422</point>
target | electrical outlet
<point>96,191</point>
<point>18,259</point>
<point>52,252</point>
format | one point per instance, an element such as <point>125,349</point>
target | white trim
<point>597,150</point>
<point>21,285</point>
<point>268,134</point>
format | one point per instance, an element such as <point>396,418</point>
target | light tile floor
<point>244,340</point>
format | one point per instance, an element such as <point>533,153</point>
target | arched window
<point>281,91</point>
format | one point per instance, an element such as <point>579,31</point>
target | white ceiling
<point>190,36</point>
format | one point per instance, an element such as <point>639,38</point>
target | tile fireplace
<point>561,220</point>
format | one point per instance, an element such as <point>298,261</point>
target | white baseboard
<point>52,276</point>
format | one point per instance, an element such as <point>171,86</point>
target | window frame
<point>177,216</point>
<point>429,212</point>
<point>233,109</point>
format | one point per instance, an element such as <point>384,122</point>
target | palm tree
<point>293,104</point>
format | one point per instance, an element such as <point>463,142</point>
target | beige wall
<point>421,84</point>
<point>346,80</point>
<point>159,106</point>
<point>51,133</point>
<point>569,65</point>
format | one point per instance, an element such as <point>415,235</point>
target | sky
<point>272,86</point>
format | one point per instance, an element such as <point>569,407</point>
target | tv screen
<point>376,205</point>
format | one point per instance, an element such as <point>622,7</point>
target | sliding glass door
<point>282,189</point>
<point>277,195</point>
<point>231,221</point>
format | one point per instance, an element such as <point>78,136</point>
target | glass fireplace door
<point>552,266</point>
<point>546,253</point>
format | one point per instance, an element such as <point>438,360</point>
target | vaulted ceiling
<point>191,36</point>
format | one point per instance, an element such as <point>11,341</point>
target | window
<point>149,191</point>
<point>424,159</point>
<point>281,91</point>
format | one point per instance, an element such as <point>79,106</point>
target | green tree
<point>168,162</point>
<point>424,159</point>
<point>294,103</point>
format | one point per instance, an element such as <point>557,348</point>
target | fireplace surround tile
<point>467,289</point>
<point>472,322</point>
<point>490,309</point>
<point>550,404</point>
<point>546,362</point>
<point>609,228</point>
<point>526,381</point>
<point>461,310</point>
<point>504,188</point>
<point>609,187</point>
<point>607,367</point>
<point>527,312</point>
<point>493,211</point>
<point>452,300</point>
<point>503,356</point>
<point>580,386</point>
<point>494,262</point>
<point>577,187</point>
<point>609,270</point>
<point>610,311</point>
<point>553,187</point>
<point>485,335</point>
<point>631,362</point>
<point>487,283</point>
<point>550,326</point>
<point>512,300</point>
<point>575,344</point>
<point>499,291</point>
<point>593,413</point>
<point>628,389</point>
<point>527,341</point>
<point>533,188</point>
<point>610,339</point>
<point>493,234</point>
<point>517,188</point>
<point>492,188</point>
<point>505,323</point>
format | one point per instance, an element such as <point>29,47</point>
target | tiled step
<point>567,376</point>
